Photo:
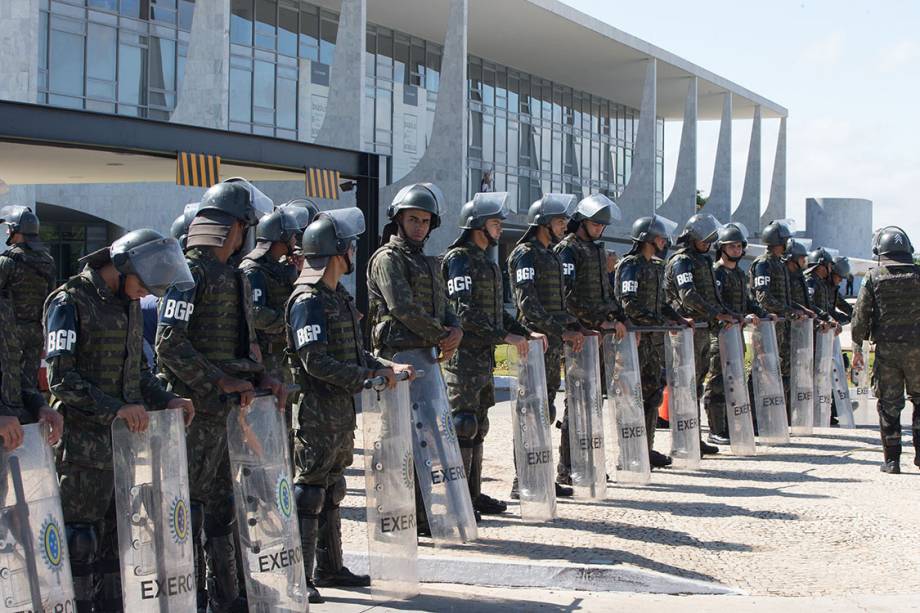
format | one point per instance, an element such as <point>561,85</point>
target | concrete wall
<point>776,206</point>
<point>844,224</point>
<point>19,50</point>
<point>638,197</point>
<point>681,203</point>
<point>719,203</point>
<point>204,97</point>
<point>748,211</point>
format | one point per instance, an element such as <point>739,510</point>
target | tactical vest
<point>278,287</point>
<point>822,297</point>
<point>732,289</point>
<point>779,286</point>
<point>217,325</point>
<point>703,281</point>
<point>798,291</point>
<point>591,284</point>
<point>650,281</point>
<point>28,285</point>
<point>547,277</point>
<point>109,338</point>
<point>897,293</point>
<point>486,282</point>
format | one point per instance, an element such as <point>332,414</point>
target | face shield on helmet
<point>160,265</point>
<point>701,227</point>
<point>261,204</point>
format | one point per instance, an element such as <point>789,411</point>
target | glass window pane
<point>513,93</point>
<point>263,85</point>
<point>370,52</point>
<point>512,143</point>
<point>383,132</point>
<point>286,116</point>
<point>287,31</point>
<point>488,138</point>
<point>265,23</point>
<point>488,87</point>
<point>476,132</point>
<point>309,34</point>
<point>384,54</point>
<point>417,63</point>
<point>240,95</point>
<point>66,63</point>
<point>132,70</point>
<point>500,140</point>
<point>186,13</point>
<point>241,22</point>
<point>100,52</point>
<point>109,5</point>
<point>401,55</point>
<point>162,64</point>
<point>132,8</point>
<point>328,31</point>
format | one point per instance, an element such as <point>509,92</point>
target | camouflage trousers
<point>714,391</point>
<point>471,388</point>
<point>321,457</point>
<point>651,371</point>
<point>896,372</point>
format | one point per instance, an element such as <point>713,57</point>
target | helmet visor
<point>262,204</point>
<point>160,265</point>
<point>664,227</point>
<point>302,211</point>
<point>596,203</point>
<point>348,223</point>
<point>745,235</point>
<point>788,223</point>
<point>491,204</point>
<point>703,227</point>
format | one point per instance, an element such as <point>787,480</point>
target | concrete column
<point>776,207</point>
<point>345,109</point>
<point>444,161</point>
<point>680,205</point>
<point>204,97</point>
<point>748,211</point>
<point>19,20</point>
<point>638,197</point>
<point>720,195</point>
<point>844,224</point>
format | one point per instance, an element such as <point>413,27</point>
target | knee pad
<point>466,425</point>
<point>309,498</point>
<point>483,430</point>
<point>335,494</point>
<point>83,546</point>
<point>219,518</point>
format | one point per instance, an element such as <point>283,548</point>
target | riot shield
<point>34,566</point>
<point>586,421</point>
<point>801,376</point>
<point>824,377</point>
<point>683,407</point>
<point>392,544</point>
<point>260,466</point>
<point>439,471</point>
<point>737,404</point>
<point>533,443</point>
<point>866,411</point>
<point>841,389</point>
<point>625,413</point>
<point>769,399</point>
<point>154,517</point>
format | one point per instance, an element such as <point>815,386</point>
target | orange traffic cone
<point>663,409</point>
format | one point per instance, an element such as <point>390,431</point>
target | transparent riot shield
<point>769,397</point>
<point>625,412</point>
<point>683,407</point>
<point>824,377</point>
<point>389,476</point>
<point>737,404</point>
<point>802,376</point>
<point>438,466</point>
<point>866,412</point>
<point>260,466</point>
<point>34,565</point>
<point>154,517</point>
<point>586,420</point>
<point>841,389</point>
<point>533,443</point>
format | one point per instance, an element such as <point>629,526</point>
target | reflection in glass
<point>241,22</point>
<point>66,60</point>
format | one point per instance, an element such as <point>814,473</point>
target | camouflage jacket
<point>798,291</point>
<point>886,309</point>
<point>690,286</point>
<point>17,398</point>
<point>95,364</point>
<point>770,287</point>
<point>843,310</point>
<point>323,331</point>
<point>272,283</point>
<point>588,294</point>
<point>26,279</point>
<point>536,276</point>
<point>819,295</point>
<point>731,285</point>
<point>640,288</point>
<point>408,300</point>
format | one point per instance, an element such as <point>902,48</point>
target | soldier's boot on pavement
<point>466,454</point>
<point>890,428</point>
<point>892,464</point>
<point>201,574</point>
<point>223,588</point>
<point>564,467</point>
<point>707,449</point>
<point>657,459</point>
<point>486,505</point>
<point>83,546</point>
<point>330,571</point>
<point>309,499</point>
<point>109,596</point>
<point>718,425</point>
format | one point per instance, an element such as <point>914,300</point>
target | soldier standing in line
<point>886,314</point>
<point>96,373</point>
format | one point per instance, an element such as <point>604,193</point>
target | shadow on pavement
<point>726,492</point>
<point>699,509</point>
<point>450,603</point>
<point>768,476</point>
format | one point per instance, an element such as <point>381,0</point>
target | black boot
<point>483,504</point>
<point>330,571</point>
<point>309,525</point>
<point>707,449</point>
<point>892,454</point>
<point>916,433</point>
<point>223,589</point>
<point>718,439</point>
<point>83,545</point>
<point>659,460</point>
<point>563,491</point>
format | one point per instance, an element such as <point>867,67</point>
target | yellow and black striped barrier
<point>322,183</point>
<point>197,169</point>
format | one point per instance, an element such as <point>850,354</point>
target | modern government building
<point>116,113</point>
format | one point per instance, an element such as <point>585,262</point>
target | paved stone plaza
<point>813,518</point>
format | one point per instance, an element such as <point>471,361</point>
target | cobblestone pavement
<point>811,518</point>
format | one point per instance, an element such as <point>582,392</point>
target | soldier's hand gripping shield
<point>34,567</point>
<point>824,377</point>
<point>389,475</point>
<point>154,518</point>
<point>586,420</point>
<point>841,390</point>
<point>737,403</point>
<point>439,471</point>
<point>769,399</point>
<point>260,466</point>
<point>629,440</point>
<point>533,444</point>
<point>684,410</point>
<point>802,376</point>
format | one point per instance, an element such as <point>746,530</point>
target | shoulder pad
<point>257,282</point>
<point>459,280</point>
<point>760,273</point>
<point>629,277</point>
<point>307,321</point>
<point>176,307</point>
<point>566,253</point>
<point>61,326</point>
<point>682,266</point>
<point>522,270</point>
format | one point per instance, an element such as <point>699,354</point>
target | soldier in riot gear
<point>539,293</point>
<point>640,288</point>
<point>886,314</point>
<point>732,291</point>
<point>817,281</point>
<point>179,227</point>
<point>474,287</point>
<point>96,374</point>
<point>588,293</point>
<point>409,308</point>
<point>691,290</point>
<point>207,346</point>
<point>842,310</point>
<point>323,330</point>
<point>304,211</point>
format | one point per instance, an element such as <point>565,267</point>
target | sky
<point>848,71</point>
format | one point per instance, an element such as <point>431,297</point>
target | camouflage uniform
<point>775,292</point>
<point>474,287</point>
<point>589,297</point>
<point>820,299</point>
<point>886,314</point>
<point>26,279</point>
<point>95,366</point>
<point>206,334</point>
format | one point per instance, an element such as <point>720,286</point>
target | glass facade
<point>531,134</point>
<point>113,56</point>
